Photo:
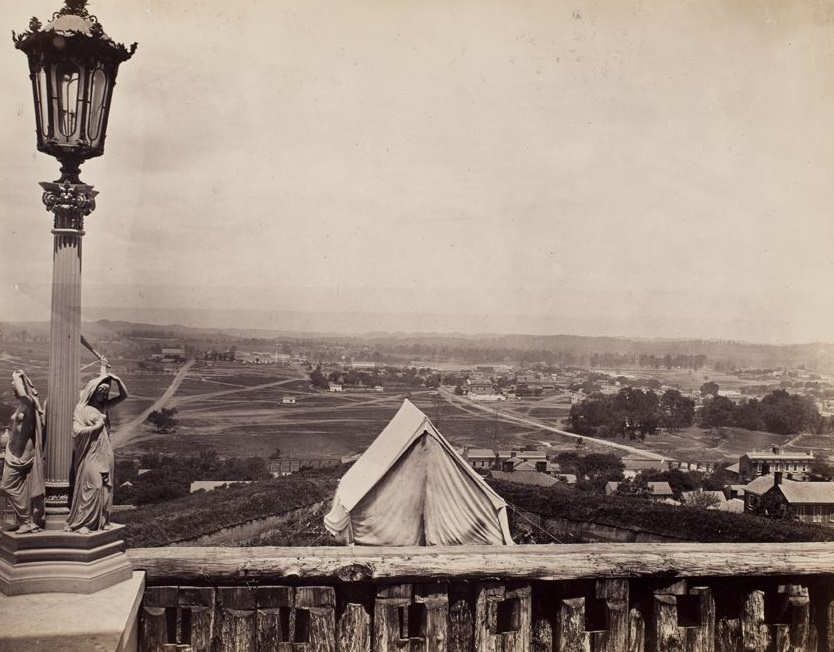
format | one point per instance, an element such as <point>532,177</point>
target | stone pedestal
<point>54,561</point>
<point>106,621</point>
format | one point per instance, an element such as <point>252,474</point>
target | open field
<point>237,410</point>
<point>244,416</point>
<point>711,445</point>
<point>814,443</point>
<point>32,357</point>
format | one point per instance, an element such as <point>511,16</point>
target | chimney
<point>777,478</point>
<point>776,449</point>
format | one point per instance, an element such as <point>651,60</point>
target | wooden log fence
<point>742,609</point>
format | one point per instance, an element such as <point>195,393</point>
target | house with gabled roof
<point>480,458</point>
<point>809,502</point>
<point>533,460</point>
<point>793,465</point>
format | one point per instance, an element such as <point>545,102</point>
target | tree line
<point>779,412</point>
<point>387,376</point>
<point>648,361</point>
<point>632,413</point>
<point>635,413</point>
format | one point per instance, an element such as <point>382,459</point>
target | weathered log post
<point>158,618</point>
<point>237,621</point>
<point>195,617</point>
<point>793,633</point>
<point>727,635</point>
<point>754,633</point>
<point>353,632</point>
<point>542,636</point>
<point>319,602</point>
<point>435,600</point>
<point>701,637</point>
<point>502,617</point>
<point>390,617</point>
<point>614,638</point>
<point>667,634</point>
<point>822,603</point>
<point>572,636</point>
<point>461,621</point>
<point>275,616</point>
<point>636,632</point>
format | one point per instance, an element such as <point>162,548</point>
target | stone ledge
<point>64,576</point>
<point>59,553</point>
<point>105,621</point>
<point>49,538</point>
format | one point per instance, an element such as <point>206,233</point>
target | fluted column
<point>69,203</point>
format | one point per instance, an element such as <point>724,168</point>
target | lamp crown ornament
<point>69,203</point>
<point>77,7</point>
<point>73,66</point>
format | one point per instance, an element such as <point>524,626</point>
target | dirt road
<point>529,421</point>
<point>127,432</point>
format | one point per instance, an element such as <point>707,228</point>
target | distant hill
<point>565,349</point>
<point>817,355</point>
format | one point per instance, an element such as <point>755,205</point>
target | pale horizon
<point>648,170</point>
<point>335,322</point>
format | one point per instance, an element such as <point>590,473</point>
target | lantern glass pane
<point>43,104</point>
<point>98,96</point>
<point>67,77</point>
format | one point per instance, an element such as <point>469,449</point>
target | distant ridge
<point>815,356</point>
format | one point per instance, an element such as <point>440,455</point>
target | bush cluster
<point>702,525</point>
<point>631,412</point>
<point>170,476</point>
<point>779,412</point>
<point>206,512</point>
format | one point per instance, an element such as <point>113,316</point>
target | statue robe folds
<point>23,481</point>
<point>92,465</point>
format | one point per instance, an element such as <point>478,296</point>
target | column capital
<point>70,203</point>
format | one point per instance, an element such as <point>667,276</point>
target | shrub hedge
<point>702,525</point>
<point>162,524</point>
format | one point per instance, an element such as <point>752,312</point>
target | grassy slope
<point>206,512</point>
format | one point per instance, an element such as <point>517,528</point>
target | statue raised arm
<point>92,459</point>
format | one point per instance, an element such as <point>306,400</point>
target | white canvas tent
<point>410,488</point>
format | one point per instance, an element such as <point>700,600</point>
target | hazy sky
<point>645,168</point>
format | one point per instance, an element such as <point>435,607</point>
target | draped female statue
<point>23,467</point>
<point>91,476</point>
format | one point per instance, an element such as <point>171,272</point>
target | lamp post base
<point>54,561</point>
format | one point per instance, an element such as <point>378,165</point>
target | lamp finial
<point>75,7</point>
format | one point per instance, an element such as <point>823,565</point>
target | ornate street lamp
<point>73,66</point>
